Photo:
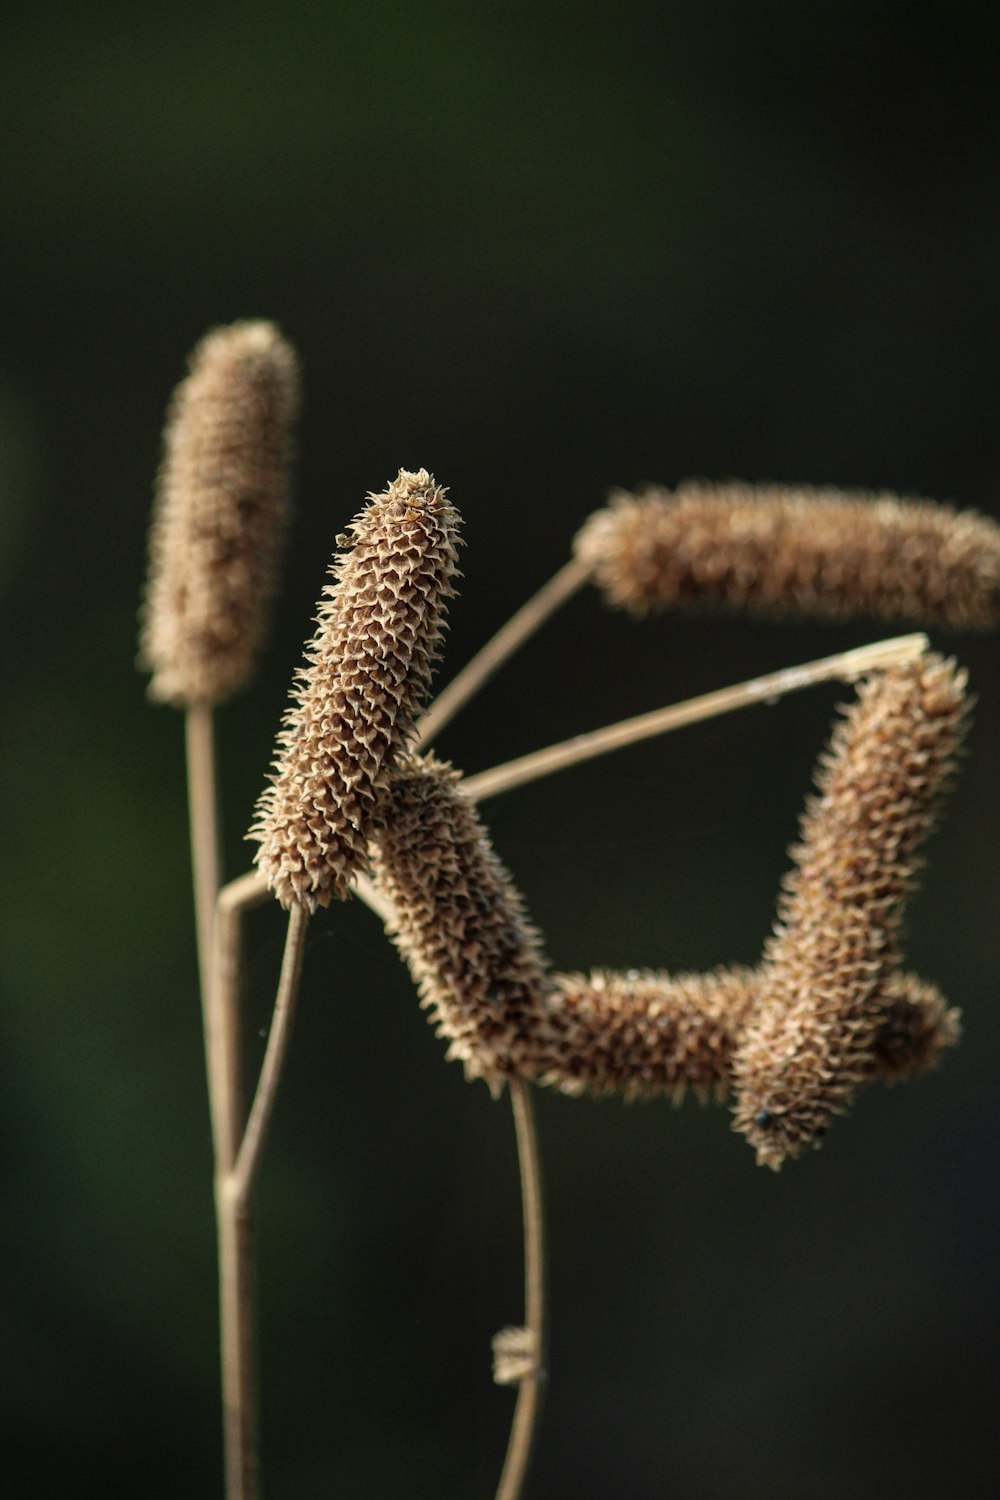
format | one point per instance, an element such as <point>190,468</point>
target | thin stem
<point>562,586</point>
<point>234,1219</point>
<point>529,1393</point>
<point>248,1160</point>
<point>846,665</point>
<point>244,893</point>
<point>204,823</point>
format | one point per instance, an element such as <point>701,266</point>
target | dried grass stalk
<point>366,675</point>
<point>220,514</point>
<point>768,549</point>
<point>836,938</point>
<point>459,921</point>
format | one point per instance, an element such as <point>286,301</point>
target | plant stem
<point>846,665</point>
<point>237,1158</point>
<point>529,1392</point>
<point>562,586</point>
<point>248,1158</point>
<point>233,1217</point>
<point>203,816</point>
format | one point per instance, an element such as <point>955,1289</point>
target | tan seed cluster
<point>649,1032</point>
<point>642,1032</point>
<point>460,923</point>
<point>220,514</point>
<point>836,939</point>
<point>366,675</point>
<point>769,549</point>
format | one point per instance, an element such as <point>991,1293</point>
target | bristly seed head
<point>366,674</point>
<point>220,514</point>
<point>800,552</point>
<point>829,1016</point>
<point>459,920</point>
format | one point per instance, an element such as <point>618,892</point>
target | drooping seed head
<point>459,920</point>
<point>366,674</point>
<point>836,937</point>
<point>799,552</point>
<point>220,514</point>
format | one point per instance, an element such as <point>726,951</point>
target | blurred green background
<point>540,248</point>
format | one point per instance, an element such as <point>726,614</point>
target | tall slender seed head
<point>836,937</point>
<point>459,920</point>
<point>221,504</point>
<point>769,549</point>
<point>366,674</point>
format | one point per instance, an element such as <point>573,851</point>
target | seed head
<point>220,514</point>
<point>366,674</point>
<point>642,1033</point>
<point>836,938</point>
<point>768,549</point>
<point>459,922</point>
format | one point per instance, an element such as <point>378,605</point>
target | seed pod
<point>801,552</point>
<point>642,1033</point>
<point>459,920</point>
<point>220,514</point>
<point>366,675</point>
<point>836,938</point>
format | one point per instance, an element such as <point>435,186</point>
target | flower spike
<point>366,674</point>
<point>220,514</point>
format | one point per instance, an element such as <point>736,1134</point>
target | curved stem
<point>529,1392</point>
<point>560,587</point>
<point>248,1160</point>
<point>846,665</point>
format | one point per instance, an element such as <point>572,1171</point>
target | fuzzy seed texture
<point>222,496</point>
<point>640,1033</point>
<point>365,678</point>
<point>459,922</point>
<point>827,974</point>
<point>798,552</point>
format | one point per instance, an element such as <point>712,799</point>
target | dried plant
<point>221,511</point>
<point>366,675</point>
<point>823,553</point>
<point>354,805</point>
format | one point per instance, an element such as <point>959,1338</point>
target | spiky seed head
<point>641,1033</point>
<point>220,513</point>
<point>836,937</point>
<point>800,552</point>
<point>366,674</point>
<point>916,1027</point>
<point>459,922</point>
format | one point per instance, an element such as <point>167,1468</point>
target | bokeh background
<point>541,248</point>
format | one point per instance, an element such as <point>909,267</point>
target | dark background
<point>541,249</point>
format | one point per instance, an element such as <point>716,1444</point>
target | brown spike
<point>800,552</point>
<point>220,514</point>
<point>460,922</point>
<point>366,675</point>
<point>836,937</point>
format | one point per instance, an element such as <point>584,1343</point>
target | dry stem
<point>846,665</point>
<point>522,625</point>
<point>529,1391</point>
<point>204,823</point>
